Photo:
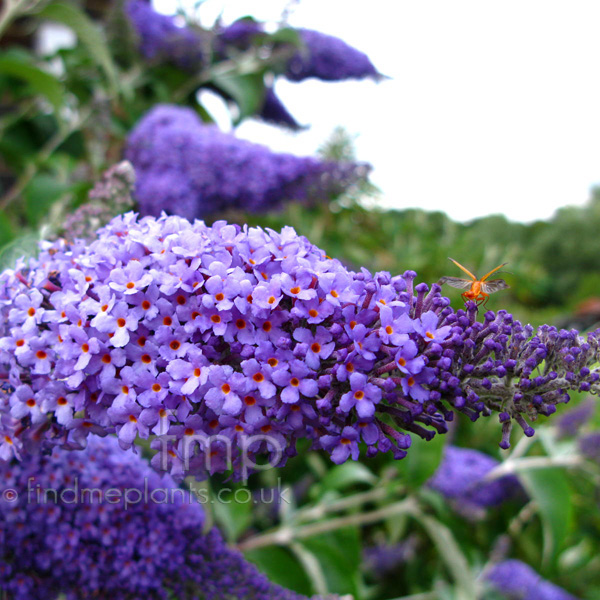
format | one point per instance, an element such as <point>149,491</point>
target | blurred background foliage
<point>64,115</point>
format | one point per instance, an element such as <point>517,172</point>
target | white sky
<point>492,107</point>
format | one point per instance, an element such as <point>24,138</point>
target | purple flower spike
<point>181,162</point>
<point>228,343</point>
<point>328,58</point>
<point>273,111</point>
<point>518,581</point>
<point>119,531</point>
<point>161,39</point>
<point>461,478</point>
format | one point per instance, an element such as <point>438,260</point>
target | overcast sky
<point>492,107</point>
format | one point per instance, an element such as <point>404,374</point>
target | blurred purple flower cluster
<point>461,477</point>
<point>101,523</point>
<point>186,166</point>
<point>516,580</point>
<point>223,337</point>
<point>109,197</point>
<point>161,39</point>
<point>328,58</point>
<point>570,423</point>
<point>384,560</point>
<point>321,56</point>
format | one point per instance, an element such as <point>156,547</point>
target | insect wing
<point>457,282</point>
<point>489,287</point>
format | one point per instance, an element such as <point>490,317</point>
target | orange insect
<point>478,290</point>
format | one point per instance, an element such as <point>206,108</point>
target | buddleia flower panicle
<point>185,165</point>
<point>100,523</point>
<point>385,560</point>
<point>573,420</point>
<point>505,367</point>
<point>589,445</point>
<point>328,58</point>
<point>239,35</point>
<point>274,112</point>
<point>461,478</point>
<point>109,197</point>
<point>225,343</point>
<point>161,39</point>
<point>516,580</point>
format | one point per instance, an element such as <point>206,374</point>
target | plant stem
<point>316,512</point>
<point>11,9</point>
<point>510,466</point>
<point>287,534</point>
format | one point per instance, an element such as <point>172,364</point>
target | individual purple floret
<point>161,40</point>
<point>185,166</point>
<point>100,523</point>
<point>461,478</point>
<point>518,581</point>
<point>569,423</point>
<point>328,58</point>
<point>230,343</point>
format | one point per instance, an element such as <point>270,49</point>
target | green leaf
<point>551,491</point>
<point>346,475</point>
<point>281,567</point>
<point>40,81</point>
<point>7,230</point>
<point>233,512</point>
<point>339,555</point>
<point>247,90</point>
<point>452,555</point>
<point>25,245</point>
<point>41,192</point>
<point>287,35</point>
<point>422,460</point>
<point>88,34</point>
